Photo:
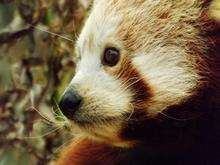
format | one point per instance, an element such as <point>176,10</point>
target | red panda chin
<point>106,133</point>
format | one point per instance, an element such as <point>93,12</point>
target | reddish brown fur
<point>87,152</point>
<point>129,75</point>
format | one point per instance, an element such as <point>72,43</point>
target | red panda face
<point>136,57</point>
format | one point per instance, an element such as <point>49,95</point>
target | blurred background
<point>36,64</point>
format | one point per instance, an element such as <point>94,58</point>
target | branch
<point>10,36</point>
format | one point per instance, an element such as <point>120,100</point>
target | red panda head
<point>136,59</point>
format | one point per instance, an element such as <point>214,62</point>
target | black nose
<point>70,103</point>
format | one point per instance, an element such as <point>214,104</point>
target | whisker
<point>44,121</point>
<point>178,119</point>
<point>52,33</point>
<point>129,85</point>
<point>63,145</point>
<point>40,136</point>
<point>127,81</point>
<point>132,111</point>
<point>133,83</point>
<point>42,115</point>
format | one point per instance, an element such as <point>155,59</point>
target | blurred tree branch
<point>30,17</point>
<point>10,36</point>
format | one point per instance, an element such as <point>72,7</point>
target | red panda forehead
<point>165,22</point>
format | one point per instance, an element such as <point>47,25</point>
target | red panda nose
<point>70,102</point>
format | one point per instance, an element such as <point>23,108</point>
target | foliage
<point>36,66</point>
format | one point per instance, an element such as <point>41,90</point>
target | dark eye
<point>111,56</point>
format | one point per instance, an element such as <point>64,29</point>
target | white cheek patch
<point>171,76</point>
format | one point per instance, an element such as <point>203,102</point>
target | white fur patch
<point>169,73</point>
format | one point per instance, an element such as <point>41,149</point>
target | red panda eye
<point>111,56</point>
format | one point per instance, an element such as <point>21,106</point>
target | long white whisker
<point>45,122</point>
<point>40,136</point>
<point>132,111</point>
<point>133,83</point>
<point>178,119</point>
<point>52,33</point>
<point>63,145</point>
<point>127,81</point>
<point>42,115</point>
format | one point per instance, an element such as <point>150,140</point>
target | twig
<point>10,36</point>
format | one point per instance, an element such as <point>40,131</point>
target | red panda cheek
<point>132,80</point>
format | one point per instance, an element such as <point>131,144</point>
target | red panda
<point>147,85</point>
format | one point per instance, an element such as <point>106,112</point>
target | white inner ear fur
<point>169,73</point>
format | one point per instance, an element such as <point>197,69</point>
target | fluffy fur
<point>160,103</point>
